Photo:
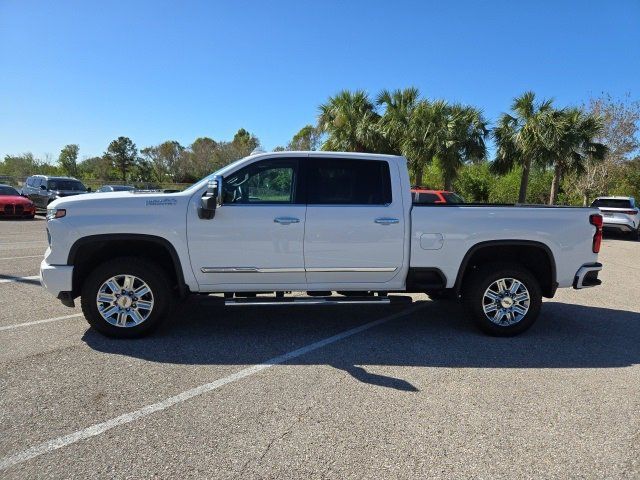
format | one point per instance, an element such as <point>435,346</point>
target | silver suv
<point>43,189</point>
<point>619,214</point>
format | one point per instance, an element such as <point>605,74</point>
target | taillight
<point>596,220</point>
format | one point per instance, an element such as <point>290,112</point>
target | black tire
<point>479,281</point>
<point>156,279</point>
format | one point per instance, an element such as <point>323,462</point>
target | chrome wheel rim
<point>125,301</point>
<point>506,301</point>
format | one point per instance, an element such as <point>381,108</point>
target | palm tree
<point>351,123</point>
<point>452,134</point>
<point>466,132</point>
<point>571,144</point>
<point>520,138</point>
<point>399,109</point>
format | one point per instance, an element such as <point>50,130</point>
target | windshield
<point>69,185</point>
<point>122,188</point>
<point>612,203</point>
<point>8,191</point>
<point>222,171</point>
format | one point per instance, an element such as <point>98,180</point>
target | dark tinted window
<point>611,203</point>
<point>121,188</point>
<point>424,197</point>
<point>69,185</point>
<point>334,181</point>
<point>452,197</point>
<point>269,181</point>
<point>4,190</point>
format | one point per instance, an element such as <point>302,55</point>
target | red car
<point>424,195</point>
<point>12,204</point>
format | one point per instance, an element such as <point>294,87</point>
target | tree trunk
<point>448,183</point>
<point>418,178</point>
<point>524,181</point>
<point>555,185</point>
<point>585,199</point>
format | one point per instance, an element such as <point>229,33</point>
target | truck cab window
<point>263,182</point>
<point>336,181</point>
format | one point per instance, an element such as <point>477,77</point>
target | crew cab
<point>339,226</point>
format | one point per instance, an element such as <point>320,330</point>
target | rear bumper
<point>587,276</point>
<point>618,227</point>
<point>56,278</point>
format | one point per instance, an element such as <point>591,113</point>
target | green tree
<point>97,168</point>
<point>351,123</point>
<point>395,124</point>
<point>167,161</point>
<point>520,138</point>
<point>571,145</point>
<point>19,166</point>
<point>465,134</point>
<point>67,160</point>
<point>123,155</point>
<point>307,138</point>
<point>244,142</point>
<point>203,156</point>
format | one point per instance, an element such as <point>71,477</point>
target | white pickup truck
<point>339,226</point>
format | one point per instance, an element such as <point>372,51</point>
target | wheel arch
<point>89,251</point>
<point>536,256</point>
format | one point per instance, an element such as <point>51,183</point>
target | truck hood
<point>117,200</point>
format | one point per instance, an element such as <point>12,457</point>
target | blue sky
<point>86,72</point>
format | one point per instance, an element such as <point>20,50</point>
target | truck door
<point>256,236</point>
<point>355,227</point>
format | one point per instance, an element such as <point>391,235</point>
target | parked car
<point>319,222</point>
<point>115,188</point>
<point>424,195</point>
<point>12,204</point>
<point>44,189</point>
<point>620,214</point>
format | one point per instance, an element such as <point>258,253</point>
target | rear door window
<point>341,181</point>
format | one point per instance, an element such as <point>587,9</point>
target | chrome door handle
<point>386,221</point>
<point>286,220</point>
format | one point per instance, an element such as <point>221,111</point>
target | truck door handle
<point>386,221</point>
<point>286,220</point>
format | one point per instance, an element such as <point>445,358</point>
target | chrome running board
<point>271,301</point>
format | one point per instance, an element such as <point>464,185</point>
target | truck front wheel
<point>126,297</point>
<point>504,300</point>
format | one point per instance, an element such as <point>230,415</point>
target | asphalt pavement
<point>408,391</point>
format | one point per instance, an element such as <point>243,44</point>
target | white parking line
<point>37,322</point>
<point>22,243</point>
<point>19,258</point>
<point>99,428</point>
<point>19,279</point>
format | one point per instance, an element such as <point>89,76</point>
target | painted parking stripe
<point>100,428</point>
<point>22,243</point>
<point>9,279</point>
<point>38,322</point>
<point>19,258</point>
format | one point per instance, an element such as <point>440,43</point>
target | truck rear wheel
<point>504,300</point>
<point>126,297</point>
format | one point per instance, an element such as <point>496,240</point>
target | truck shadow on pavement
<point>436,335</point>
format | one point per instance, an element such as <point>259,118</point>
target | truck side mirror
<point>211,199</point>
<point>43,187</point>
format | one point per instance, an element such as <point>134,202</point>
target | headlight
<point>55,213</point>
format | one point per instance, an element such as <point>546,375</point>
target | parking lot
<point>334,392</point>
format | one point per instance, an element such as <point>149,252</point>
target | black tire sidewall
<point>153,276</point>
<point>480,281</point>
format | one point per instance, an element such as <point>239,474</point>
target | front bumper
<point>56,278</point>
<point>587,276</point>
